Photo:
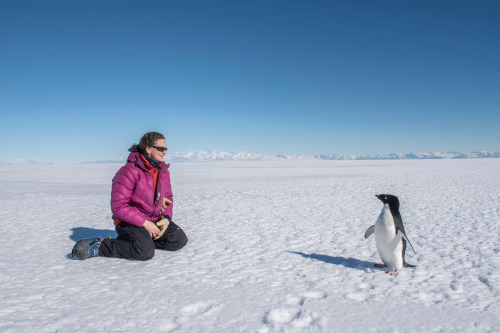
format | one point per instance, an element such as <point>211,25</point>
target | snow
<point>274,246</point>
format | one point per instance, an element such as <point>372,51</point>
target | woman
<point>141,202</point>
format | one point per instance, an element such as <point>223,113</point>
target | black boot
<point>86,248</point>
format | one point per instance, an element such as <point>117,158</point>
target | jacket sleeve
<point>168,194</point>
<point>121,194</point>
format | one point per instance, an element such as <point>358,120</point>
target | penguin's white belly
<point>389,244</point>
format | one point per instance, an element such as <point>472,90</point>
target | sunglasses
<point>160,149</point>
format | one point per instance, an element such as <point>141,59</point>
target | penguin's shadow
<point>81,232</point>
<point>346,262</point>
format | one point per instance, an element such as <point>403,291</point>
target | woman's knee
<point>173,241</point>
<point>143,250</point>
<point>179,241</point>
<point>183,241</point>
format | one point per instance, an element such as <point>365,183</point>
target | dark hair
<point>147,140</point>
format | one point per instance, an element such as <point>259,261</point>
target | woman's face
<point>155,154</point>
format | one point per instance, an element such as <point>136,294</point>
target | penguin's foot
<point>394,272</point>
<point>380,265</point>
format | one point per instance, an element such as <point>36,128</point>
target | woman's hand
<point>151,228</point>
<point>166,202</point>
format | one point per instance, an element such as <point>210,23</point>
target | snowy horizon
<point>217,155</point>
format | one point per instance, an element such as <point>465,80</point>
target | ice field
<point>274,246</point>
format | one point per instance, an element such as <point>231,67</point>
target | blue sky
<point>83,80</point>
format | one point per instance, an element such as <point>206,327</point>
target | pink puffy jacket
<point>133,197</point>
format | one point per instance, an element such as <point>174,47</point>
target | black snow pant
<point>136,243</point>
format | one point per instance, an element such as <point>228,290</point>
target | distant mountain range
<point>215,155</point>
<point>411,156</point>
<point>24,161</point>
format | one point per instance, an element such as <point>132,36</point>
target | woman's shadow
<point>346,262</point>
<point>80,232</point>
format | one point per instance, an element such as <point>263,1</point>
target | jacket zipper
<point>157,195</point>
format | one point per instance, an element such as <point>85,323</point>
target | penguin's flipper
<point>406,239</point>
<point>370,231</point>
<point>408,265</point>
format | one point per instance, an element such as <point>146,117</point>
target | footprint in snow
<point>292,314</point>
<point>190,312</point>
<point>198,309</point>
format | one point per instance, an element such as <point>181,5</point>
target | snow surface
<point>275,246</point>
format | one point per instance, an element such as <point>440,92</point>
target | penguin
<point>390,236</point>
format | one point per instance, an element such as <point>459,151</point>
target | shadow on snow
<point>346,262</point>
<point>80,232</point>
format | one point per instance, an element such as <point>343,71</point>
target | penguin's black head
<point>392,200</point>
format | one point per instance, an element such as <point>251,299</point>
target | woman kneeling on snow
<point>141,202</point>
